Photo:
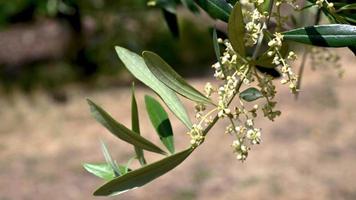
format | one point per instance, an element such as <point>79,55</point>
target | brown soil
<point>308,153</point>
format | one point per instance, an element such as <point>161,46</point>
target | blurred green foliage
<point>125,22</point>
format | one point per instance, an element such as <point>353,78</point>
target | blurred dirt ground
<point>308,153</point>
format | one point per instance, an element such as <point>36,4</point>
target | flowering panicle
<point>234,71</point>
<point>329,5</point>
<point>196,135</point>
<point>289,77</point>
<point>253,26</point>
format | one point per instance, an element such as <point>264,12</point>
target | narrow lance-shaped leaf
<point>332,35</point>
<point>135,125</point>
<point>142,176</point>
<point>171,79</point>
<point>347,7</point>
<point>121,131</point>
<point>160,121</point>
<point>251,94</point>
<point>216,45</point>
<point>103,170</point>
<point>172,22</point>
<point>136,65</point>
<point>217,9</point>
<point>236,30</point>
<point>109,160</point>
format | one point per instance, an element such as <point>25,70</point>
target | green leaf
<point>172,22</point>
<point>332,35</point>
<point>160,121</point>
<point>347,7</point>
<point>136,65</point>
<point>236,30</point>
<point>250,94</point>
<point>264,7</point>
<point>135,125</point>
<point>216,45</point>
<point>171,79</point>
<point>142,176</point>
<point>103,170</point>
<point>121,131</point>
<point>190,5</point>
<point>168,5</point>
<point>109,160</point>
<point>353,49</point>
<point>217,9</point>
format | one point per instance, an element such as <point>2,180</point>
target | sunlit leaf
<point>332,35</point>
<point>171,79</point>
<point>109,160</point>
<point>121,131</point>
<point>236,30</point>
<point>160,121</point>
<point>136,65</point>
<point>142,176</point>
<point>135,125</point>
<point>103,170</point>
<point>250,94</point>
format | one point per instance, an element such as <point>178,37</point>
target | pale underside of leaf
<point>136,65</point>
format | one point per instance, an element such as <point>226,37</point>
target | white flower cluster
<point>268,90</point>
<point>244,130</point>
<point>196,135</point>
<point>257,2</point>
<point>240,149</point>
<point>320,4</point>
<point>225,93</point>
<point>228,61</point>
<point>289,77</point>
<point>244,134</point>
<point>253,26</point>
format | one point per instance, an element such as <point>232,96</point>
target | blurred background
<point>55,53</point>
<point>49,44</point>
